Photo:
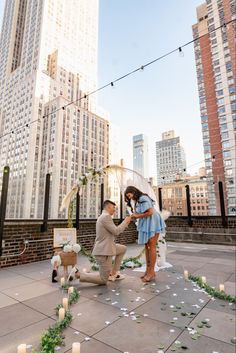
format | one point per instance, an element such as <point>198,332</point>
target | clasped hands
<point>132,217</point>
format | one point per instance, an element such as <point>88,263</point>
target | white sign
<point>63,236</point>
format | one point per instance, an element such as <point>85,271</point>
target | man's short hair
<point>108,202</point>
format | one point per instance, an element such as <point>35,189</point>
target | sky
<point>164,95</point>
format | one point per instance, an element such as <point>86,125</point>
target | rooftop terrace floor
<point>126,316</point>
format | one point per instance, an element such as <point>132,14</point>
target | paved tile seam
<point>25,276</point>
<point>84,333</point>
<point>229,277</point>
<point>38,311</point>
<point>21,328</point>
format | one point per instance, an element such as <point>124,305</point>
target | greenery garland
<point>212,291</point>
<point>70,214</point>
<point>95,267</point>
<point>53,336</point>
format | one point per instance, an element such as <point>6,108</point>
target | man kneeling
<point>105,248</point>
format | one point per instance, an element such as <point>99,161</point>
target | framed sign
<point>63,236</point>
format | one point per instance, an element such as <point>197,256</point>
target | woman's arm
<point>146,214</point>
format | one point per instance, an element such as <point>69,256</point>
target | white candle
<point>21,348</point>
<point>204,279</point>
<point>70,290</point>
<point>84,270</point>
<point>222,288</point>
<point>65,303</point>
<point>76,347</point>
<point>62,281</point>
<point>185,274</point>
<point>61,314</point>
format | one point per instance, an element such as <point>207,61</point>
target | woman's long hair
<point>136,195</point>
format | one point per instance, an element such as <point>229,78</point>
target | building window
<point>221,110</point>
<point>233,106</point>
<point>226,144</point>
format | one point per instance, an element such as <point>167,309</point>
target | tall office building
<point>140,155</point>
<point>216,73</point>
<point>48,58</point>
<point>170,158</point>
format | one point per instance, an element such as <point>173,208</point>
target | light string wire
<point>142,67</point>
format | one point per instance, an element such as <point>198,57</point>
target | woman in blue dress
<point>150,224</point>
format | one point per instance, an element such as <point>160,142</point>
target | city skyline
<point>131,116</point>
<point>111,62</point>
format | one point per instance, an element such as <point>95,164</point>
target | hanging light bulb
<point>141,67</point>
<point>181,53</point>
<point>112,84</point>
<point>224,28</point>
<point>213,159</point>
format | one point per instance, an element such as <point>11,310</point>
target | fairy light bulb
<point>181,53</point>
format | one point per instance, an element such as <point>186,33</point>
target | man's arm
<point>110,226</point>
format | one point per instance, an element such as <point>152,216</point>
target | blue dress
<point>149,226</point>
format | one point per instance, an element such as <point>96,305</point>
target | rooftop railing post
<point>222,204</point>
<point>77,214</point>
<point>3,205</point>
<point>102,197</point>
<point>190,222</point>
<point>160,198</point>
<point>44,226</point>
<point>121,208</point>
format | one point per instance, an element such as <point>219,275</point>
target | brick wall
<point>204,230</point>
<point>41,244</point>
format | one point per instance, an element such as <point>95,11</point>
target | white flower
<point>192,332</point>
<point>67,248</point>
<point>76,248</point>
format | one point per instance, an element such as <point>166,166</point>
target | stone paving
<point>126,316</point>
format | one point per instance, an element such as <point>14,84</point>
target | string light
<point>181,53</point>
<point>112,84</point>
<point>224,27</point>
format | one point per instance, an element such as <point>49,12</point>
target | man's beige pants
<point>105,267</point>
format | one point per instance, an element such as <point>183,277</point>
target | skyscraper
<point>140,155</point>
<point>170,158</point>
<point>216,73</point>
<point>48,58</point>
